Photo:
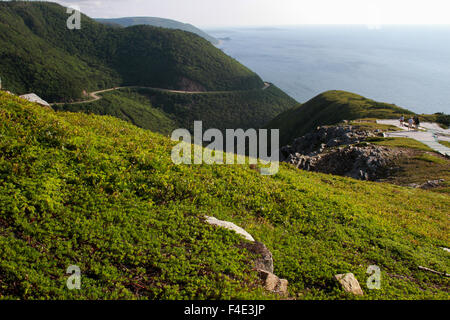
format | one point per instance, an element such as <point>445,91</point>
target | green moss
<point>102,194</point>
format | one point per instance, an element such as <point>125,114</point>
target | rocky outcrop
<point>317,141</point>
<point>367,162</point>
<point>427,185</point>
<point>341,151</point>
<point>186,84</point>
<point>349,283</point>
<point>263,261</point>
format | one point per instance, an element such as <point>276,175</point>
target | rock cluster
<point>368,162</point>
<point>340,151</point>
<point>263,262</point>
<point>327,137</point>
<point>428,185</point>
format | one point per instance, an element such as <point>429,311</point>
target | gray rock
<point>263,256</point>
<point>349,283</point>
<point>274,284</point>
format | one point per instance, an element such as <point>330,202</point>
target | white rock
<point>32,97</point>
<point>229,226</point>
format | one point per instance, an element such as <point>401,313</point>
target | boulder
<point>229,226</point>
<point>349,283</point>
<point>32,97</point>
<point>263,257</point>
<point>274,284</point>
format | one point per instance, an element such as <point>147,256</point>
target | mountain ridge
<point>158,22</point>
<point>39,54</point>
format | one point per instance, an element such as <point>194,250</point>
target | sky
<point>216,13</point>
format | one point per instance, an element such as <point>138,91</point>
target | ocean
<point>405,65</point>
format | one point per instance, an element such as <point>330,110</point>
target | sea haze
<point>405,65</point>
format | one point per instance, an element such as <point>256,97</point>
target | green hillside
<point>158,22</point>
<point>163,112</point>
<point>330,108</point>
<point>38,53</point>
<point>130,106</point>
<point>100,193</point>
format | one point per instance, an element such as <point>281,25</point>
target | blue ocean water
<point>405,65</point>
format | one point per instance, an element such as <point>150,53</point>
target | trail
<point>95,94</point>
<point>429,134</point>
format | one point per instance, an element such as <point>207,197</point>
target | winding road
<point>95,95</point>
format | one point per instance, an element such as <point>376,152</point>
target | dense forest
<point>158,22</point>
<point>39,53</point>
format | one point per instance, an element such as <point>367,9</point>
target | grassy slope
<point>400,143</point>
<point>38,53</point>
<point>164,111</point>
<point>102,194</point>
<point>445,143</point>
<point>330,108</point>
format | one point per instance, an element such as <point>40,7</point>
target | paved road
<point>95,95</point>
<point>429,134</point>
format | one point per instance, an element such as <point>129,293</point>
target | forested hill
<point>39,53</point>
<point>330,108</point>
<point>158,22</point>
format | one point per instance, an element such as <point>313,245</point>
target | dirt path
<point>95,95</point>
<point>428,133</point>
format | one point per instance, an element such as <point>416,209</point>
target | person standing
<point>402,121</point>
<point>410,123</point>
<point>416,122</point>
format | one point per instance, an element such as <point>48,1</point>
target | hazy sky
<point>274,12</point>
